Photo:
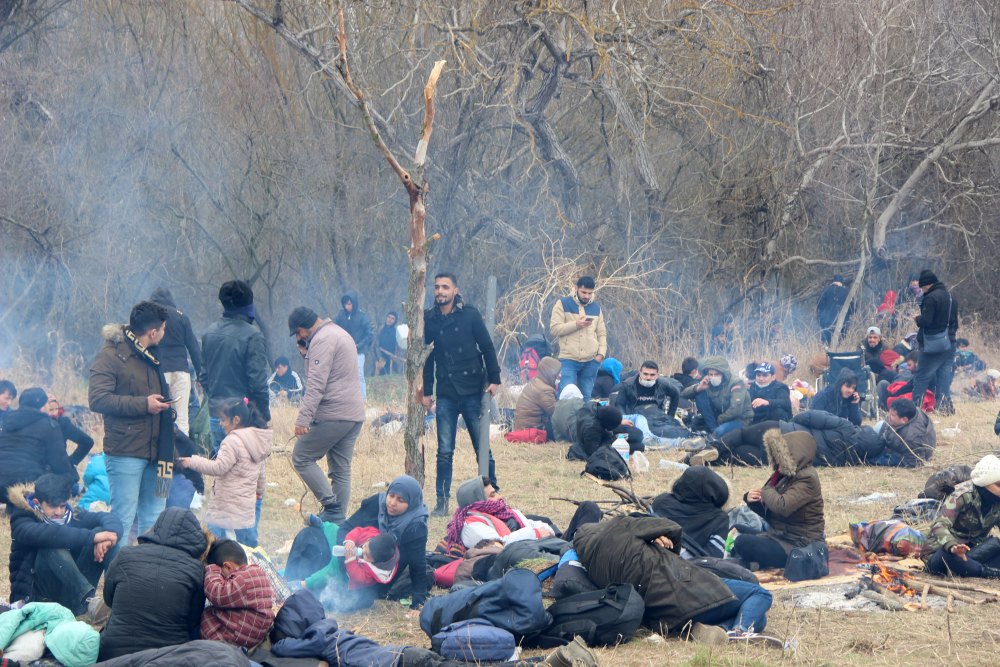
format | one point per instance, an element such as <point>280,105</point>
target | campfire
<point>896,590</point>
<point>890,579</point>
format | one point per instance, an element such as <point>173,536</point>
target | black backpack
<point>602,618</point>
<point>607,464</point>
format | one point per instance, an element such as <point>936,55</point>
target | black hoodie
<point>356,322</point>
<point>31,445</point>
<point>387,336</point>
<point>178,339</point>
<point>695,503</point>
<point>829,399</point>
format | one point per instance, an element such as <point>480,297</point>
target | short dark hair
<point>962,341</point>
<point>482,544</point>
<point>912,356</point>
<point>904,407</point>
<point>226,551</point>
<point>7,387</point>
<point>449,275</point>
<point>382,548</point>
<point>486,481</point>
<point>586,282</point>
<point>36,398</point>
<point>53,490</point>
<point>281,361</point>
<point>650,364</point>
<point>689,364</point>
<point>146,315</point>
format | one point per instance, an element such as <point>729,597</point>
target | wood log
<point>883,601</point>
<point>958,587</point>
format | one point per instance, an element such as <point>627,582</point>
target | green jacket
<point>730,399</point>
<point>319,579</point>
<point>961,521</point>
<point>72,642</point>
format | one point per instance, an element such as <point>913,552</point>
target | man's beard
<point>582,299</point>
<point>443,300</point>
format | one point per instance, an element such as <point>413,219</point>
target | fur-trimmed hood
<point>113,333</point>
<point>18,494</point>
<point>791,452</point>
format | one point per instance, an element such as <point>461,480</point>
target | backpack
<point>476,641</point>
<point>528,364</point>
<point>602,618</point>
<point>606,464</point>
<point>512,602</point>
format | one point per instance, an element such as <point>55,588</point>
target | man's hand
<point>960,550</point>
<point>154,406</point>
<point>703,385</point>
<point>663,541</point>
<point>757,402</point>
<point>103,542</point>
<point>628,422</point>
<point>583,322</point>
<point>185,461</point>
<point>427,401</point>
<point>301,430</point>
<point>753,495</point>
<point>599,358</point>
<point>855,398</point>
<point>492,389</point>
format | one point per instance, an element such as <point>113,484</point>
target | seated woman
<point>483,514</point>
<point>695,504</point>
<point>791,502</point>
<point>959,541</point>
<point>840,398</point>
<point>537,401</point>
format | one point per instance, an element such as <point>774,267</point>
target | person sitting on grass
<point>695,503</point>
<point>721,397</point>
<point>84,443</point>
<point>483,514</point>
<point>769,398</point>
<point>654,398</point>
<point>58,553</point>
<point>284,383</point>
<point>959,542</point>
<point>907,436</point>
<point>537,401</point>
<point>840,398</point>
<point>966,360</point>
<point>240,595</point>
<point>598,425</point>
<point>791,503</point>
<point>8,392</point>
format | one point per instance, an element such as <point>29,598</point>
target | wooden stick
<point>952,595</point>
<point>958,586</point>
<point>951,608</point>
<point>883,601</point>
<point>923,596</point>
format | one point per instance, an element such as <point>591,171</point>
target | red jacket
<point>361,573</point>
<point>242,608</point>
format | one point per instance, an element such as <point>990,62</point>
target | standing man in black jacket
<point>770,399</point>
<point>234,356</point>
<point>357,323</point>
<point>466,364</point>
<point>828,308</point>
<point>172,352</point>
<point>938,313</point>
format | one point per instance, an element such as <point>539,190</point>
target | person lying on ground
<point>654,397</point>
<point>483,514</point>
<point>695,504</point>
<point>645,551</point>
<point>609,376</point>
<point>8,392</point>
<point>721,398</point>
<point>156,589</point>
<point>239,469</point>
<point>599,425</point>
<point>284,383</point>
<point>791,503</point>
<point>31,444</point>
<point>241,598</point>
<point>840,398</point>
<point>58,553</point>
<point>959,541</point>
<point>769,398</point>
<point>537,401</point>
<point>84,443</point>
<point>198,652</point>
<point>966,360</point>
<point>907,436</point>
<point>482,549</point>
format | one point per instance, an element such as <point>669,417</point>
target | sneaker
<point>314,522</point>
<point>694,444</point>
<point>703,457</point>
<point>97,611</point>
<point>754,638</point>
<point>574,654</point>
<point>441,509</point>
<point>711,635</point>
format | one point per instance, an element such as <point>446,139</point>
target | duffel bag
<point>476,640</point>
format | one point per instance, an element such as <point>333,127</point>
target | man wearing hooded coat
<point>357,323</point>
<point>938,314</point>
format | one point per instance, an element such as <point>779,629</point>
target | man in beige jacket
<point>579,324</point>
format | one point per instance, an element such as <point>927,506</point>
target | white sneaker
<point>703,457</point>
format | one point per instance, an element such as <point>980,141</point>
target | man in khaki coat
<point>579,325</point>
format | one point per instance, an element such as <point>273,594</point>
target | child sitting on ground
<point>380,560</point>
<point>242,601</point>
<point>966,360</point>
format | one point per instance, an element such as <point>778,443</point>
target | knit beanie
<point>610,417</point>
<point>987,471</point>
<point>927,277</point>
<point>837,278</point>
<point>235,294</point>
<point>913,276</point>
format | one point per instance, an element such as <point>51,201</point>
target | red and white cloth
<point>242,606</point>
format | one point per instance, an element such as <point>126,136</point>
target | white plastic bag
<point>638,462</point>
<point>402,332</point>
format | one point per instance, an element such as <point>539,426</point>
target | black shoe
<point>990,572</point>
<point>441,509</point>
<point>332,513</point>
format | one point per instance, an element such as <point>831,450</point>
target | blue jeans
<point>448,409</point>
<point>218,434</point>
<point>361,372</point>
<point>748,612</point>
<point>69,577</point>
<point>133,487</point>
<point>886,459</point>
<point>581,373</point>
<point>246,536</point>
<point>707,411</point>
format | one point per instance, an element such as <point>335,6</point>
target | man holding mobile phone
<point>578,323</point>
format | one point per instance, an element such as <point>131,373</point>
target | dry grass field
<point>531,475</point>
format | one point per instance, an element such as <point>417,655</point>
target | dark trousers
<point>764,551</point>
<point>448,410</point>
<point>946,563</point>
<point>745,446</point>
<point>69,578</point>
<point>748,612</point>
<point>934,370</point>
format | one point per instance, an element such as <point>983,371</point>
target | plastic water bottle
<point>339,551</point>
<point>665,464</point>
<point>621,445</point>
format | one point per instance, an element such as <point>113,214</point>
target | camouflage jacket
<point>961,521</point>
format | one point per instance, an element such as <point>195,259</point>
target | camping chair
<point>867,381</point>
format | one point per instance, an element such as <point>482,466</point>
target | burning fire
<point>892,579</point>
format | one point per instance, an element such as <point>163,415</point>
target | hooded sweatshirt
<point>537,402</point>
<point>178,338</point>
<point>356,322</point>
<point>239,472</point>
<point>695,504</point>
<point>730,399</point>
<point>829,399</point>
<point>387,335</point>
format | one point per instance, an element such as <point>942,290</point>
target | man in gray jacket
<point>331,413</point>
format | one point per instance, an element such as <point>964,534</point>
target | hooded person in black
<point>32,444</point>
<point>599,425</point>
<point>386,342</point>
<point>695,503</point>
<point>828,307</point>
<point>172,352</point>
<point>831,398</point>
<point>355,322</point>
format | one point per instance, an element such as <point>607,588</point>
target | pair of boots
<point>574,654</point>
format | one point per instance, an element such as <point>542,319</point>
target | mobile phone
<point>589,319</point>
<point>171,400</point>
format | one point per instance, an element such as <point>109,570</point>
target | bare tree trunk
<point>855,286</point>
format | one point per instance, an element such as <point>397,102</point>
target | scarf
<point>775,477</point>
<point>409,489</point>
<point>165,438</point>
<point>64,521</point>
<point>245,310</point>
<point>496,508</point>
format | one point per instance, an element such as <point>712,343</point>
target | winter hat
<point>789,363</point>
<point>301,317</point>
<point>765,367</point>
<point>837,278</point>
<point>874,330</point>
<point>987,471</point>
<point>471,491</point>
<point>609,416</point>
<point>927,277</point>
<point>910,337</point>
<point>914,276</point>
<point>33,398</point>
<point>235,294</point>
<point>570,391</point>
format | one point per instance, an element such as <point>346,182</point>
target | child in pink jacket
<point>238,469</point>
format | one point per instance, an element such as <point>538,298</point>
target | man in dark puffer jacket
<point>156,588</point>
